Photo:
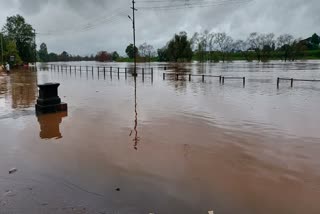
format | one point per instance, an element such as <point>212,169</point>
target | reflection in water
<point>23,89</point>
<point>136,139</point>
<point>50,125</point>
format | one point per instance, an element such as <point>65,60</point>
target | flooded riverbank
<point>167,147</point>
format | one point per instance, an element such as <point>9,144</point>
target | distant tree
<point>52,57</point>
<point>285,46</point>
<point>115,56</point>
<point>64,56</point>
<point>163,55</point>
<point>43,53</point>
<point>242,47</point>
<point>199,46</point>
<point>179,48</point>
<point>130,51</point>
<point>268,46</point>
<point>315,41</point>
<point>146,51</point>
<point>23,34</point>
<point>262,44</point>
<point>224,44</point>
<point>103,56</point>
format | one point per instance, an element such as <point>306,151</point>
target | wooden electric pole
<point>134,38</point>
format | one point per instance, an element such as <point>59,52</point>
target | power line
<point>193,4</point>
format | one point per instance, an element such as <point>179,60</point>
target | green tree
<point>115,56</point>
<point>179,48</point>
<point>130,51</point>
<point>64,56</point>
<point>11,50</point>
<point>24,36</point>
<point>52,57</point>
<point>315,41</point>
<point>43,53</point>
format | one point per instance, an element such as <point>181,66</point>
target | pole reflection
<point>136,138</point>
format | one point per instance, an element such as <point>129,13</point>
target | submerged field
<point>163,146</point>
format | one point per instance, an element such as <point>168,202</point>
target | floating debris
<point>118,189</point>
<point>210,212</point>
<point>13,170</point>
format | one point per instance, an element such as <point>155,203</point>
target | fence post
<point>177,76</point>
<point>118,73</point>
<point>244,81</point>
<point>278,82</point>
<point>164,76</point>
<point>152,75</point>
<point>291,82</point>
<point>202,78</point>
<point>125,72</point>
<point>222,80</point>
<point>189,77</point>
<point>142,74</point>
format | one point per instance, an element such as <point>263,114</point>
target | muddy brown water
<point>171,147</point>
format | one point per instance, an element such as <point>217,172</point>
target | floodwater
<point>163,146</point>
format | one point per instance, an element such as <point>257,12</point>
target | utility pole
<point>134,38</point>
<point>35,48</point>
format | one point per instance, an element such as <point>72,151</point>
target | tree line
<point>261,47</point>
<point>101,56</point>
<point>216,47</point>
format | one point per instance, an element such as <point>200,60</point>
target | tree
<point>146,51</point>
<point>43,53</point>
<point>243,47</point>
<point>130,51</point>
<point>179,48</point>
<point>103,56</point>
<point>315,41</point>
<point>64,56</point>
<point>24,36</point>
<point>115,56</point>
<point>53,57</point>
<point>11,50</point>
<point>163,55</point>
<point>262,44</point>
<point>224,44</point>
<point>285,45</point>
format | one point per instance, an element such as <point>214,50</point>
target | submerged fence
<point>150,72</point>
<point>292,80</point>
<point>203,76</point>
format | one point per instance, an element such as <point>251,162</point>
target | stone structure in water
<point>49,101</point>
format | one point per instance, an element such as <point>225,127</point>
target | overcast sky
<point>87,26</point>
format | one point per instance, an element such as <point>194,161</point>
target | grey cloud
<point>32,6</point>
<point>67,21</point>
